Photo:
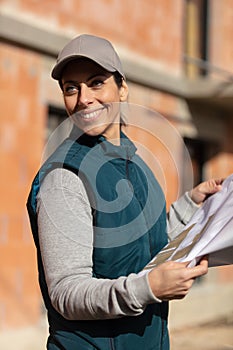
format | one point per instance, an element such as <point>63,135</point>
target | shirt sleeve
<point>66,244</point>
<point>180,214</point>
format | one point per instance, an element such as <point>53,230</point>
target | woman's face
<point>89,95</point>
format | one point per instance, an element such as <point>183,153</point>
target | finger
<point>181,265</point>
<point>219,181</point>
<point>199,270</point>
<point>204,259</point>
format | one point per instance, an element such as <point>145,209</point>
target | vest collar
<point>126,149</point>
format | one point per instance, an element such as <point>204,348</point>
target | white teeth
<point>89,115</point>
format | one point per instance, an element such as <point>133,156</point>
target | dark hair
<point>60,84</point>
<point>118,79</point>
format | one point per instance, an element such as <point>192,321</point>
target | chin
<point>95,131</point>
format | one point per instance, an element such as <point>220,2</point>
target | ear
<point>124,91</point>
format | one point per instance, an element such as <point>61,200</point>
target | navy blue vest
<point>129,219</point>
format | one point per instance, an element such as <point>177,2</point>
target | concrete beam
<point>29,36</point>
<point>14,30</point>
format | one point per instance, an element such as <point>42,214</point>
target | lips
<point>88,115</point>
<point>91,115</point>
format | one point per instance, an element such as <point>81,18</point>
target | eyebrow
<point>90,78</point>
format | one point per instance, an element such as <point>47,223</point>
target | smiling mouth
<point>88,115</point>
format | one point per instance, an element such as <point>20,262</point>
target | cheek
<point>116,96</point>
<point>69,104</point>
<point>110,95</point>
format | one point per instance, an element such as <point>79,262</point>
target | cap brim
<point>57,70</point>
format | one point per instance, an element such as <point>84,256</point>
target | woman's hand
<point>173,280</point>
<point>199,193</point>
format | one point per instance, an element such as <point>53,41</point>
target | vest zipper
<point>112,346</point>
<point>127,169</point>
<point>127,173</point>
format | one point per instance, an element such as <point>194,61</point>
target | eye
<point>96,83</point>
<point>70,89</point>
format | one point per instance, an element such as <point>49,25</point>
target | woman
<point>98,217</point>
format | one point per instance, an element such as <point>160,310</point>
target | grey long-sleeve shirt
<point>66,243</point>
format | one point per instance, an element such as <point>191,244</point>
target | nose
<point>85,97</point>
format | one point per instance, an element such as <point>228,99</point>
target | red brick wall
<point>21,139</point>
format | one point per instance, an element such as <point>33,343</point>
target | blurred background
<point>178,59</point>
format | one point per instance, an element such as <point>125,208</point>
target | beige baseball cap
<point>93,47</point>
